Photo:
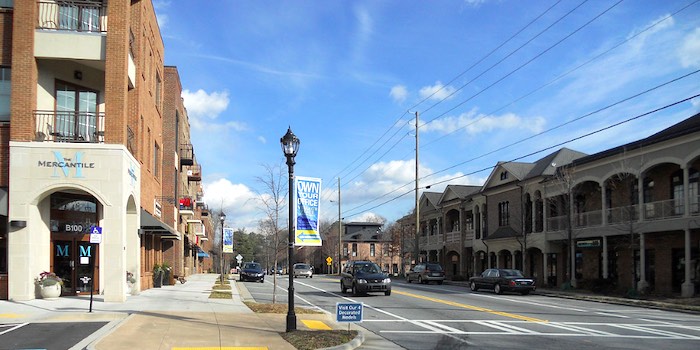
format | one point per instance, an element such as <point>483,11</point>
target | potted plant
<point>130,282</point>
<point>49,285</point>
<point>166,273</point>
<point>157,275</point>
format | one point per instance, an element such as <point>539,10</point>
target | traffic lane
<point>407,318</point>
<point>55,335</point>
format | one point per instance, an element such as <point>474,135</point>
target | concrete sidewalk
<point>172,317</point>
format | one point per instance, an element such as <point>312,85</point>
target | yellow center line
<point>472,307</point>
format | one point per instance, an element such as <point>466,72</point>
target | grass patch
<point>215,294</point>
<point>310,340</point>
<point>277,308</point>
<point>221,287</point>
<point>305,339</point>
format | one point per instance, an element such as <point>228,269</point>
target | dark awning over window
<point>151,225</point>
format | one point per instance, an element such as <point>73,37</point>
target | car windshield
<point>301,266</point>
<point>511,273</point>
<point>368,268</point>
<point>252,266</point>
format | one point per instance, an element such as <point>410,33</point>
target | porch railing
<point>452,237</point>
<point>73,15</point>
<point>69,126</point>
<point>588,219</point>
<point>663,209</point>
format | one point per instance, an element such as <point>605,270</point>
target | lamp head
<point>222,217</point>
<point>290,144</point>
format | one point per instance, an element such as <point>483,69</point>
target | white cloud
<point>159,6</point>
<point>262,139</point>
<point>238,201</point>
<point>474,123</point>
<point>695,102</point>
<point>689,51</point>
<point>437,91</point>
<point>201,104</point>
<point>474,3</point>
<point>392,182</point>
<point>398,93</point>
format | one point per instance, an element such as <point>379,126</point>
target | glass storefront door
<point>73,261</point>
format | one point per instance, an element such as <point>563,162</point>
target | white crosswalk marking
<point>660,331</point>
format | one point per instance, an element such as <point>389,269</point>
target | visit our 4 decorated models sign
<point>307,206</point>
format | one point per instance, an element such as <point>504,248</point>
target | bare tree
<point>272,202</point>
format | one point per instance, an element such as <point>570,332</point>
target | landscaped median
<point>319,338</point>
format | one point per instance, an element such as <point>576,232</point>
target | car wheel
<point>420,279</point>
<point>355,292</point>
<point>473,287</point>
<point>525,292</point>
<point>497,289</point>
<point>387,293</point>
<point>262,280</point>
<point>342,288</point>
<point>311,276</point>
<point>408,279</point>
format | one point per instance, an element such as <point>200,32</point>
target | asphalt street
<point>452,317</point>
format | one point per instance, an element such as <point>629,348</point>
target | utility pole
<point>340,231</point>
<point>417,248</point>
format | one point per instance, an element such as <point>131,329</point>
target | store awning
<point>202,254</point>
<point>151,224</point>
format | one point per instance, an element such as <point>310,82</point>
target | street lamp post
<point>222,218</point>
<point>290,146</point>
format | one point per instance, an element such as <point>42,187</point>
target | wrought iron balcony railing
<point>73,15</point>
<point>69,126</point>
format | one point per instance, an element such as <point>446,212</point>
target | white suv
<point>303,270</point>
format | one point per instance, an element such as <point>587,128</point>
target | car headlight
<point>387,280</point>
<point>361,280</point>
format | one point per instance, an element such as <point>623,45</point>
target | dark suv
<point>363,277</point>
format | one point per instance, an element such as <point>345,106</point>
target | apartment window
<point>5,93</point>
<point>677,195</point>
<point>345,250</point>
<point>156,159</point>
<point>7,3</point>
<point>503,214</point>
<point>158,84</point>
<point>371,249</point>
<point>76,112</point>
<point>354,249</point>
<point>148,141</point>
<point>80,17</point>
<point>693,189</point>
<point>504,175</point>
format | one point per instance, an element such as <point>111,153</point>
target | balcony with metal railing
<point>186,154</point>
<point>72,15</point>
<point>194,173</point>
<point>664,209</point>
<point>69,126</point>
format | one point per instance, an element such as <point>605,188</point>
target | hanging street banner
<point>228,240</point>
<point>306,211</point>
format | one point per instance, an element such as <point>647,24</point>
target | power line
<point>526,63</point>
<point>415,106</point>
<point>518,158</point>
<point>566,73</point>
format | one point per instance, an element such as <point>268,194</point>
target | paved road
<point>452,317</point>
<point>49,336</point>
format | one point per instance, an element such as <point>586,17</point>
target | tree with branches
<point>272,202</point>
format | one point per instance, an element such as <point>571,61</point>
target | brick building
<point>94,141</point>
<point>627,217</point>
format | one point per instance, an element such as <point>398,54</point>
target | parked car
<point>252,271</point>
<point>501,280</point>
<point>363,277</point>
<point>426,272</point>
<point>303,270</point>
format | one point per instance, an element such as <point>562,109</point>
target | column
<point>605,257</point>
<point>686,194</point>
<point>545,263</point>
<point>640,197</point>
<point>688,287</point>
<point>642,285</point>
<point>603,205</point>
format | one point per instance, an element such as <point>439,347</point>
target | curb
<point>353,344</point>
<point>91,341</point>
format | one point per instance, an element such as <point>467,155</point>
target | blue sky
<point>492,80</point>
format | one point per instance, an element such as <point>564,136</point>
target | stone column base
<point>688,289</point>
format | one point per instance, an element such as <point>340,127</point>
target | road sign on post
<point>348,312</point>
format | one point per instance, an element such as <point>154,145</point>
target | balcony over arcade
<point>69,126</point>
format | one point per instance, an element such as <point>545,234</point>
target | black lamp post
<point>290,146</point>
<point>222,218</point>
